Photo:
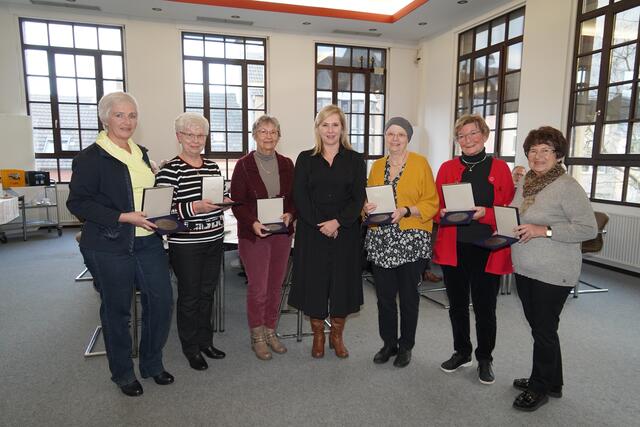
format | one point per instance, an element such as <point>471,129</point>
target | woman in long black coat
<point>329,193</point>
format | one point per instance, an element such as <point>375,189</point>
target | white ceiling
<point>440,16</point>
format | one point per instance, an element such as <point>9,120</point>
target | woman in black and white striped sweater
<point>195,254</point>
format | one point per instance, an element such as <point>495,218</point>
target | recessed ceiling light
<point>306,23</point>
<point>463,1</point>
<point>235,16</point>
<point>156,9</point>
<point>373,29</point>
<point>422,23</point>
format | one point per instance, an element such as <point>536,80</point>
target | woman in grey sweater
<point>556,216</point>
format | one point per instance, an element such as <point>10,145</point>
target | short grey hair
<point>107,102</point>
<point>188,119</point>
<point>264,119</point>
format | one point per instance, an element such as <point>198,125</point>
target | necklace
<point>471,165</point>
<point>267,171</point>
<point>401,162</point>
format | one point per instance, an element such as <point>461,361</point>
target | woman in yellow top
<point>399,251</point>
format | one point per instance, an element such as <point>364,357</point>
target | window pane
<point>323,80</point>
<point>582,141</point>
<point>234,50</point>
<point>510,107</point>
<point>343,56</point>
<point>635,139</point>
<point>377,83</point>
<point>584,175</point>
<point>463,71</point>
<point>514,57</point>
<point>357,124</point>
<point>376,145</point>
<point>255,51</point>
<point>510,120</point>
<point>213,49</point>
<point>357,102</point>
<point>65,65</point>
<point>216,73</point>
<point>609,183</point>
<point>588,71</point>
<point>217,96</point>
<point>512,86</point>
<point>48,165</point>
<point>344,81</point>
<point>322,99</point>
<point>233,74</point>
<point>88,137</point>
<point>357,142</point>
<point>218,142</point>
<point>70,140</point>
<point>35,33</point>
<point>377,58</point>
<point>376,124</point>
<point>491,143</point>
<point>622,63</point>
<point>256,97</point>
<point>591,34</point>
<point>89,116</point>
<point>234,120</point>
<point>478,93</point>
<point>618,102</point>
<point>193,46</point>
<point>324,55</point>
<point>40,115</point>
<point>376,103</point>
<point>112,67</point>
<point>625,27</point>
<point>466,42</point>
<point>614,138</point>
<point>43,140</point>
<point>482,36</point>
<point>193,95</point>
<point>234,141</point>
<point>193,71</point>
<point>65,170</point>
<point>87,90</point>
<point>516,24</point>
<point>36,62</point>
<point>85,37</point>
<point>633,187</point>
<point>109,39</point>
<point>66,90</point>
<point>492,90</point>
<point>585,106</point>
<point>61,35</point>
<point>234,97</point>
<point>480,65</point>
<point>255,75</point>
<point>68,115</point>
<point>110,86</point>
<point>217,120</point>
<point>497,30</point>
<point>589,5</point>
<point>360,58</point>
<point>85,66</point>
<point>494,64</point>
<point>344,101</point>
<point>357,82</point>
<point>508,143</point>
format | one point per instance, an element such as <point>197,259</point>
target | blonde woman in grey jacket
<point>556,216</point>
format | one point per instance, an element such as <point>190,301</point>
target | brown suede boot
<point>259,343</point>
<point>317,326</point>
<point>273,341</point>
<point>335,337</point>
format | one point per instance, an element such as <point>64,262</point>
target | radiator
<point>621,243</point>
<point>65,217</point>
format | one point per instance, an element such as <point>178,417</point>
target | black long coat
<point>327,274</point>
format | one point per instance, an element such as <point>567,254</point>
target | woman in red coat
<point>262,174</point>
<point>467,267</point>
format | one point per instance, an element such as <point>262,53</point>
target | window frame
<point>625,161</point>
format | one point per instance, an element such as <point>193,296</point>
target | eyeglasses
<point>471,134</point>
<point>264,132</point>
<point>544,151</point>
<point>392,135</point>
<point>193,136</point>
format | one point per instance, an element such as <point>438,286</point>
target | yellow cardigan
<point>415,188</point>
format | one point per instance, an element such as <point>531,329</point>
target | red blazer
<point>444,250</point>
<point>247,187</point>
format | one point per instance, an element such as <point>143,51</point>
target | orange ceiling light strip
<point>310,10</point>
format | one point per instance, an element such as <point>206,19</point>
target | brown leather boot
<point>273,341</point>
<point>335,337</point>
<point>259,343</point>
<point>317,326</point>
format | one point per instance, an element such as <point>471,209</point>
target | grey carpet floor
<point>46,319</point>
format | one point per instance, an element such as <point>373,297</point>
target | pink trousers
<point>265,262</point>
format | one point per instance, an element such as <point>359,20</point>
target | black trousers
<point>197,267</point>
<point>469,275</point>
<point>402,281</point>
<point>542,304</point>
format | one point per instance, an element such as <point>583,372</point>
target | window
<point>354,78</point>
<point>488,82</point>
<point>604,111</point>
<point>68,67</point>
<point>225,80</point>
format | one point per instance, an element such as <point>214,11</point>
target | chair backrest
<point>595,245</point>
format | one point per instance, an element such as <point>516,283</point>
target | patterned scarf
<point>533,184</point>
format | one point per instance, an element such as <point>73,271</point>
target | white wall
<point>154,76</point>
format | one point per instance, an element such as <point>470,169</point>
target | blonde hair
<point>471,119</point>
<point>322,115</point>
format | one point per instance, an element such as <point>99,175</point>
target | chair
<point>592,246</point>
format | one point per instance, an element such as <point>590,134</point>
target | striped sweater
<point>186,181</point>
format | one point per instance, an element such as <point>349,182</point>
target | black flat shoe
<point>529,401</point>
<point>164,378</point>
<point>132,389</point>
<point>523,384</point>
<point>385,354</point>
<point>197,362</point>
<point>213,352</point>
<point>402,359</point>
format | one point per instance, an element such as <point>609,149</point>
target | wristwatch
<point>408,214</point>
<point>549,232</point>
